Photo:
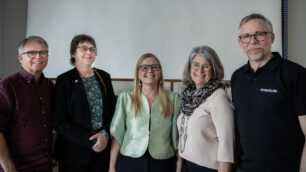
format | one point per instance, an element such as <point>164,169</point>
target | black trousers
<point>188,166</point>
<point>1,170</point>
<point>42,171</point>
<point>274,164</point>
<point>97,163</point>
<point>145,164</point>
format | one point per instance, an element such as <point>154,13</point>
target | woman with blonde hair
<point>144,124</point>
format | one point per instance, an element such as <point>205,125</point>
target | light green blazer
<point>146,131</point>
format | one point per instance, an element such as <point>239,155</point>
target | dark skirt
<point>145,164</point>
<point>188,166</point>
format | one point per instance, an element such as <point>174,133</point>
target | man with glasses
<point>269,96</point>
<point>25,107</point>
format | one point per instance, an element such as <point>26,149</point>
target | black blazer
<point>72,119</point>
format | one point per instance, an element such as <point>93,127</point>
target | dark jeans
<point>145,164</point>
<point>188,166</point>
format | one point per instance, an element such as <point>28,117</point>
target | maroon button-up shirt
<point>25,120</point>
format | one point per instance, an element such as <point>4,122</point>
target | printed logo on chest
<point>268,90</point>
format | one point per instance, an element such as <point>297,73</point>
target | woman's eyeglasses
<point>197,66</point>
<point>145,68</point>
<point>84,49</point>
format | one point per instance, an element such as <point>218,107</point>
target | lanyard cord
<point>101,80</point>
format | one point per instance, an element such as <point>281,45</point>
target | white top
<point>210,132</point>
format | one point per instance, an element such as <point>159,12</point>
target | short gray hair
<point>37,39</point>
<point>211,57</point>
<point>256,16</point>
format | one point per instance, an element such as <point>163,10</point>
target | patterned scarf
<point>192,97</point>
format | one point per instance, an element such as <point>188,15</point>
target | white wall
<point>124,30</point>
<point>297,31</point>
<point>13,30</point>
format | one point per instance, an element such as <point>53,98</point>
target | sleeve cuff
<point>105,134</point>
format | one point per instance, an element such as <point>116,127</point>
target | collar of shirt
<point>270,66</point>
<point>28,77</point>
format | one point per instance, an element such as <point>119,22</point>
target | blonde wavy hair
<point>165,103</point>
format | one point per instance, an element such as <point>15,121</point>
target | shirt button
<point>40,98</point>
<point>45,125</point>
<point>46,140</point>
<point>29,82</point>
<point>43,112</point>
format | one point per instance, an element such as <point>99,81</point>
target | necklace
<point>183,133</point>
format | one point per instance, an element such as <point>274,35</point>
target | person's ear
<point>20,58</point>
<point>240,43</point>
<point>272,37</point>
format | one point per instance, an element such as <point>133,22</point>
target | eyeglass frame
<point>205,67</point>
<point>256,35</point>
<point>151,66</point>
<point>84,49</point>
<point>41,52</point>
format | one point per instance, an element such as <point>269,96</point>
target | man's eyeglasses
<point>84,49</point>
<point>260,36</point>
<point>33,54</point>
<point>197,66</point>
<point>145,68</point>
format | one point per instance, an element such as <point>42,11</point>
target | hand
<point>9,167</point>
<point>112,169</point>
<point>101,142</point>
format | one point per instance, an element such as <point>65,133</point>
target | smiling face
<point>257,51</point>
<point>200,71</point>
<point>152,75</point>
<point>84,57</point>
<point>36,65</point>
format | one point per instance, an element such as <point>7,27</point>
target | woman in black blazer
<point>83,107</point>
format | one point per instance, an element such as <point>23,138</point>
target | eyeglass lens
<point>85,49</point>
<point>154,67</point>
<point>260,36</point>
<point>198,66</point>
<point>33,54</point>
